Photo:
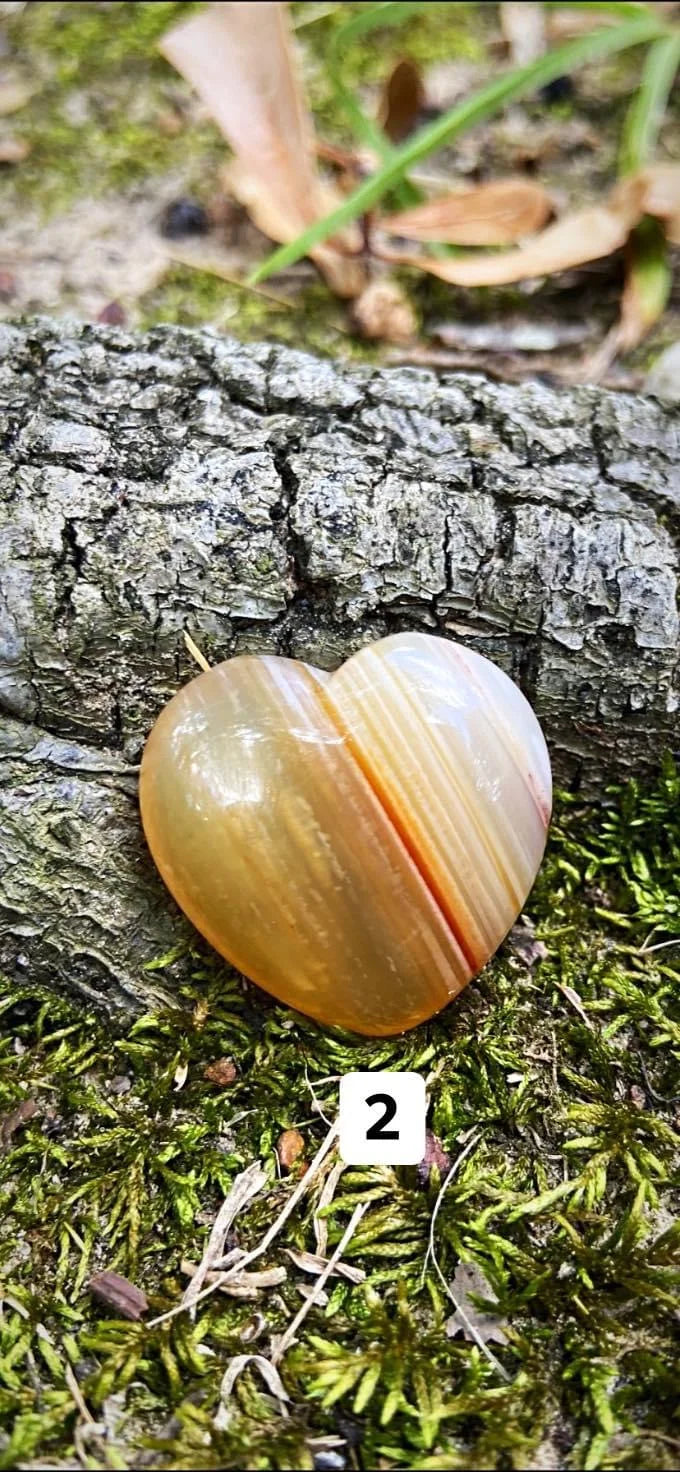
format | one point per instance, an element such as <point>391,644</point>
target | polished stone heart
<point>357,843</point>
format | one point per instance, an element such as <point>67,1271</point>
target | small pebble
<point>113,315</point>
<point>121,1084</point>
<point>561,89</point>
<point>289,1147</point>
<point>663,379</point>
<point>223,1072</point>
<point>183,217</point>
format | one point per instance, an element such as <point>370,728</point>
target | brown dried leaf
<point>15,1120</point>
<point>585,235</point>
<point>243,1285</point>
<point>489,214</point>
<point>238,56</point>
<point>523,24</point>
<point>223,1072</point>
<point>402,99</point>
<point>435,1157</point>
<point>118,1293</point>
<point>489,1327</point>
<point>289,1147</point>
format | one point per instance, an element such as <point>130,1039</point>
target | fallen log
<point>267,501</point>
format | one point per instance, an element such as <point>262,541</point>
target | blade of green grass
<point>648,281</point>
<point>623,8</point>
<point>389,13</point>
<point>482,105</point>
<point>645,114</point>
<point>648,274</point>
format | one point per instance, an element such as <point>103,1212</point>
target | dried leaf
<point>243,1188</point>
<point>469,1279</point>
<point>403,97</point>
<point>118,1293</point>
<point>223,1072</point>
<point>180,1076</point>
<point>312,1262</point>
<point>308,1290</point>
<point>524,945</point>
<point>585,235</point>
<point>238,56</point>
<point>289,1147</point>
<point>384,312</point>
<point>573,997</point>
<point>490,214</point>
<point>243,1285</point>
<point>269,1374</point>
<point>435,1157</point>
<point>327,1194</point>
<point>523,25</point>
<point>15,1120</point>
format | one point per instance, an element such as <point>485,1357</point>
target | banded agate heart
<point>357,843</point>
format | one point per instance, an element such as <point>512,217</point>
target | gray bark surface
<point>267,501</point>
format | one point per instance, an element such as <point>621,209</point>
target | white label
<point>382,1118</point>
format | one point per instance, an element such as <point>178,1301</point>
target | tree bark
<point>266,501</point>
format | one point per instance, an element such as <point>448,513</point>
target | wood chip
<point>119,1294</point>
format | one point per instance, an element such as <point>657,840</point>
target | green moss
<point>567,1073</point>
<point>193,298</point>
<point>100,89</point>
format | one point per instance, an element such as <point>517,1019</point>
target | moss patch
<point>567,1074</point>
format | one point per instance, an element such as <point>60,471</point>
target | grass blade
<point>647,109</point>
<point>389,13</point>
<point>482,105</point>
<point>648,274</point>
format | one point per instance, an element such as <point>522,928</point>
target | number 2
<point>377,1131</point>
